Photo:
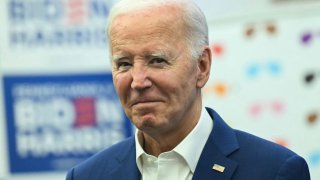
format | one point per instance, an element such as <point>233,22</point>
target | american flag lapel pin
<point>218,167</point>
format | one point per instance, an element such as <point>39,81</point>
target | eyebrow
<point>116,58</point>
<point>157,53</point>
<point>161,54</point>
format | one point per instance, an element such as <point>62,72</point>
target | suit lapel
<point>126,167</point>
<point>221,143</point>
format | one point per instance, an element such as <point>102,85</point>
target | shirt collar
<point>190,148</point>
<point>186,148</point>
<point>139,150</point>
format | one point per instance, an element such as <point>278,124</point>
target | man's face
<point>155,79</point>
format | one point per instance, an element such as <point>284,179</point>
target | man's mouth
<point>144,101</point>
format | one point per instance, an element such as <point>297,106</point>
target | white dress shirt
<point>179,163</point>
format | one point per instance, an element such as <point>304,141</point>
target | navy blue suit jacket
<point>244,156</point>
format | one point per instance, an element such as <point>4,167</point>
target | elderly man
<point>160,62</point>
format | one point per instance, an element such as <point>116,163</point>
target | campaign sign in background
<point>56,121</point>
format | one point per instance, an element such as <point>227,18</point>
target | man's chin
<point>146,122</point>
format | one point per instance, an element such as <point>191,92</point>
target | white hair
<point>192,17</point>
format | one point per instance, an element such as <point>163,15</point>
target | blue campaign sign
<point>57,121</point>
<point>57,23</point>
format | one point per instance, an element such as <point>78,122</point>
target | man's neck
<point>155,144</point>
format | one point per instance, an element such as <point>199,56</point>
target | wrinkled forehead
<point>140,6</point>
<point>154,23</point>
<point>165,16</point>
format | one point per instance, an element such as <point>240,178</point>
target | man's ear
<point>204,66</point>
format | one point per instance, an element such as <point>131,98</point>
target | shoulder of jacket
<point>104,158</point>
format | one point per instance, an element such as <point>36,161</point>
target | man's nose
<point>140,78</point>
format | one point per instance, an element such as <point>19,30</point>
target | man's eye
<point>123,65</point>
<point>158,61</point>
